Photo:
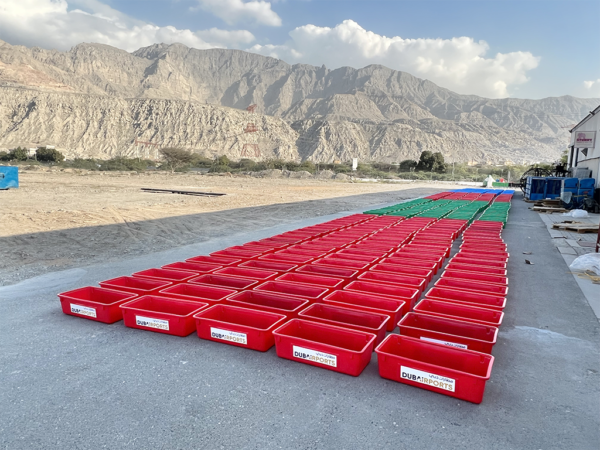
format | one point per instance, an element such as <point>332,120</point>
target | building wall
<point>592,160</point>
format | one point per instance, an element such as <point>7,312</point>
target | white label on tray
<point>430,379</point>
<point>314,356</point>
<point>152,323</point>
<point>83,310</point>
<point>449,344</point>
<point>231,336</point>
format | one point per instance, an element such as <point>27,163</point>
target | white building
<point>584,155</point>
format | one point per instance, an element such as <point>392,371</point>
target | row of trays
<point>319,323</point>
<point>477,286</point>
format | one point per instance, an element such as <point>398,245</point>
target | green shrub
<point>50,155</point>
<point>16,154</point>
<point>201,161</point>
<point>220,169</point>
<point>176,158</point>
<point>221,161</point>
<point>247,164</point>
<point>81,163</point>
<point>125,164</point>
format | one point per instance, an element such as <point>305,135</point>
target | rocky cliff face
<point>96,100</point>
<point>100,126</point>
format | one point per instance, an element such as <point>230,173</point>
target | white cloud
<point>459,64</point>
<point>236,11</point>
<point>588,84</point>
<point>54,24</point>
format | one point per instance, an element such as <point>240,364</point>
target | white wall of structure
<point>590,161</point>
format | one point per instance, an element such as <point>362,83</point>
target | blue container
<point>587,183</point>
<point>9,177</point>
<point>535,188</point>
<point>570,183</point>
<point>553,187</point>
<point>585,192</point>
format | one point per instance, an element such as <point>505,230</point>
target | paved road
<point>68,383</point>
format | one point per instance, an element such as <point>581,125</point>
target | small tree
<point>18,154</point>
<point>431,162</point>
<point>44,154</point>
<point>408,164</point>
<point>176,158</point>
<point>439,163</point>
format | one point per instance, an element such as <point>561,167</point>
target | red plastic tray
<point>395,279</point>
<point>276,242</point>
<point>419,252</point>
<point>286,257</point>
<point>480,277</point>
<point>307,291</point>
<point>322,249</point>
<point>460,312</point>
<point>476,268</point>
<point>495,244</point>
<point>383,248</point>
<point>222,261</point>
<point>197,292</point>
<point>373,253</point>
<point>450,371</point>
<point>326,346</point>
<point>415,256</point>
<point>408,295</point>
<point>405,269</point>
<point>493,255</point>
<point>161,314</point>
<point>404,260</point>
<point>449,332</point>
<point>246,272</point>
<point>242,327</point>
<point>469,298</point>
<point>175,276</point>
<point>140,286</point>
<point>473,286</point>
<point>259,247</point>
<point>431,249</point>
<point>470,241</point>
<point>269,302</point>
<point>369,258</point>
<point>193,267</point>
<point>237,254</point>
<point>328,271</point>
<point>227,282</point>
<point>361,301</point>
<point>330,260</point>
<point>348,318</point>
<point>312,254</point>
<point>483,235</point>
<point>316,280</point>
<point>269,265</point>
<point>93,303</point>
<point>480,262</point>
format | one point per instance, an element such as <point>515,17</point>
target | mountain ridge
<point>374,113</point>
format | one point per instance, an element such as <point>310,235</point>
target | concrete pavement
<point>69,383</point>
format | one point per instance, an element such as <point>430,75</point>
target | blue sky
<point>525,49</point>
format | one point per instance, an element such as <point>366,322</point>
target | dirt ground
<point>56,221</point>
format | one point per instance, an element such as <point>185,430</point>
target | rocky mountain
<point>98,100</point>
